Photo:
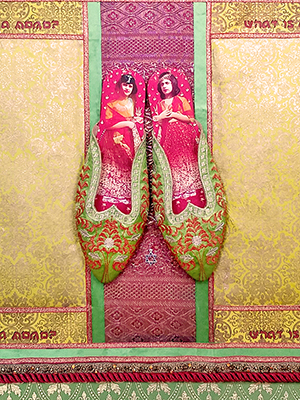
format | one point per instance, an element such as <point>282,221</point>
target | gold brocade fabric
<point>48,327</point>
<point>41,17</point>
<point>281,326</point>
<point>42,140</point>
<point>260,17</point>
<point>256,146</point>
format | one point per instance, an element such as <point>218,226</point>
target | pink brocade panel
<point>147,36</point>
<point>153,299</point>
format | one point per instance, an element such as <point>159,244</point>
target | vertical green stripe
<point>200,63</point>
<point>202,322</point>
<point>95,72</point>
<point>98,324</point>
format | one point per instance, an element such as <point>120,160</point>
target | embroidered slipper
<point>112,199</point>
<point>188,195</point>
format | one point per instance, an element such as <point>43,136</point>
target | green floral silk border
<point>95,83</point>
<point>200,100</point>
<point>150,391</point>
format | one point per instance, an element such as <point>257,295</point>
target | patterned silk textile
<point>62,108</point>
<point>256,145</point>
<point>153,300</point>
<point>44,287</point>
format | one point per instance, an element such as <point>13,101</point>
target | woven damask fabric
<point>146,36</point>
<point>255,86</point>
<point>152,300</point>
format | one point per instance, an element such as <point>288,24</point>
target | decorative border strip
<point>86,102</point>
<point>42,310</point>
<point>209,77</point>
<point>245,35</point>
<point>40,36</point>
<point>188,371</point>
<point>86,88</point>
<point>154,345</point>
<point>163,1</point>
<point>188,363</point>
<point>211,309</point>
<point>256,308</point>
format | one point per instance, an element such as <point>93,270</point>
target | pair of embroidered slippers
<point>112,199</point>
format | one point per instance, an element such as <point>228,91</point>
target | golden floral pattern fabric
<point>255,106</point>
<point>41,17</point>
<point>256,146</point>
<point>33,328</point>
<point>257,326</point>
<point>42,124</point>
<point>251,17</point>
<point>41,91</point>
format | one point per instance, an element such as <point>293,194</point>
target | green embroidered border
<point>95,81</point>
<point>202,318</point>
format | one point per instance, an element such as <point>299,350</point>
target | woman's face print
<point>127,88</point>
<point>166,87</point>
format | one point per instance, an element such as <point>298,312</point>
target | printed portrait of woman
<point>178,133</point>
<point>119,133</point>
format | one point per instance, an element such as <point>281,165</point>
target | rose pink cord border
<point>39,36</point>
<point>86,145</point>
<point>162,1</point>
<point>254,368</point>
<point>256,35</point>
<point>85,377</point>
<point>152,345</point>
<point>210,143</point>
<point>174,374</point>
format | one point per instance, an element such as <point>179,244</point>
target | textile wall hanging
<point>79,78</point>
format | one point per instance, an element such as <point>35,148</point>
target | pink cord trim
<point>89,330</point>
<point>286,377</point>
<point>176,1</point>
<point>255,35</point>
<point>40,36</point>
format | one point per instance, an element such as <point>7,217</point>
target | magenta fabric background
<point>153,299</point>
